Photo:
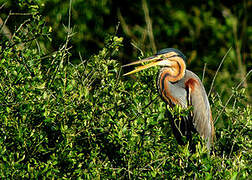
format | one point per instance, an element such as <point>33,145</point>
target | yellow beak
<point>153,61</point>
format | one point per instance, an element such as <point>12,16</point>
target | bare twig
<point>39,49</point>
<point>2,5</point>
<point>69,14</point>
<point>149,25</point>
<point>118,76</point>
<point>129,170</point>
<point>26,41</point>
<point>237,87</point>
<point>64,49</point>
<point>117,27</point>
<point>4,29</point>
<point>21,14</point>
<point>149,165</point>
<point>238,44</point>
<point>83,62</point>
<point>218,70</point>
<point>204,71</point>
<point>21,25</point>
<point>132,43</point>
<point>139,113</point>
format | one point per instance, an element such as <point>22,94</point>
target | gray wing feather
<point>202,119</point>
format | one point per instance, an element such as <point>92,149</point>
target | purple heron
<point>179,86</point>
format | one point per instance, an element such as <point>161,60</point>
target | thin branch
<point>157,160</point>
<point>118,76</point>
<point>69,14</point>
<point>149,25</point>
<point>3,27</point>
<point>83,62</point>
<point>117,27</point>
<point>204,71</point>
<point>21,14</point>
<point>218,70</point>
<point>247,75</point>
<point>25,65</point>
<point>28,40</point>
<point>39,49</point>
<point>134,45</point>
<point>21,25</point>
<point>64,49</point>
<point>2,5</point>
<point>138,113</point>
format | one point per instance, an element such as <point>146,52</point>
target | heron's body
<point>178,86</point>
<point>188,91</point>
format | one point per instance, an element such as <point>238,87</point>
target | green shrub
<point>62,120</point>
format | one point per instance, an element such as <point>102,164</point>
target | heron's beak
<point>152,61</point>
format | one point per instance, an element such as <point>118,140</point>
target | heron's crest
<point>167,50</point>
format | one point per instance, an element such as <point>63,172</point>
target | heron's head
<point>170,58</point>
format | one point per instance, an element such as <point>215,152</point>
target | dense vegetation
<point>67,112</point>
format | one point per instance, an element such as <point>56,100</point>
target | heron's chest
<point>172,93</point>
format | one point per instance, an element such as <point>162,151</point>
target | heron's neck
<point>175,72</point>
<point>168,76</point>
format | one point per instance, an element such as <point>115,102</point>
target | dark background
<point>202,30</point>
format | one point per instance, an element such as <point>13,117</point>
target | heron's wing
<point>202,117</point>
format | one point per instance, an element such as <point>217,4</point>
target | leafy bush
<point>62,120</point>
